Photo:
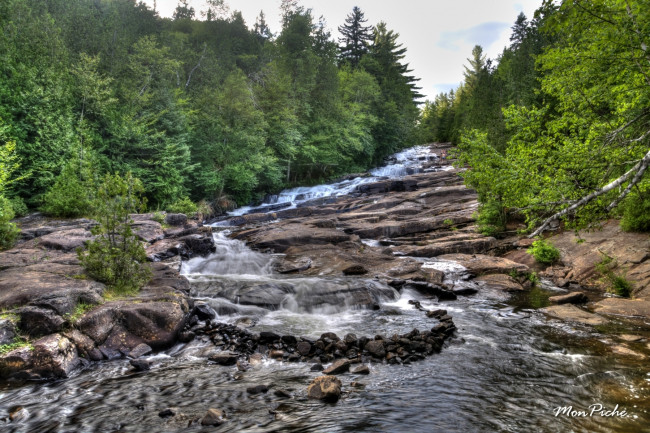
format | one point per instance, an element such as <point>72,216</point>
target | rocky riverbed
<point>401,254</point>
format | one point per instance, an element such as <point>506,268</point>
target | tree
<point>8,166</point>
<point>183,11</point>
<point>116,256</point>
<point>580,153</point>
<point>356,38</point>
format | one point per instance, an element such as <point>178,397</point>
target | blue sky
<point>438,34</point>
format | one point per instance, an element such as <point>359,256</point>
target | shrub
<point>8,230</point>
<point>72,193</point>
<point>636,213</point>
<point>544,252</point>
<point>621,286</point>
<point>491,218</point>
<point>19,206</point>
<point>116,257</point>
<point>184,205</point>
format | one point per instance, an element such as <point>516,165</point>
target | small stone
<point>276,354</point>
<point>630,338</point>
<point>303,348</point>
<point>166,413</point>
<point>268,337</point>
<point>376,348</point>
<point>258,389</point>
<point>624,351</point>
<point>362,369</point>
<point>330,335</point>
<point>140,350</point>
<point>317,367</point>
<point>338,367</point>
<point>282,393</point>
<point>18,413</point>
<point>326,388</point>
<point>223,358</point>
<point>213,417</point>
<point>243,365</point>
<point>141,364</point>
<point>436,313</point>
<point>255,359</point>
<point>357,385</point>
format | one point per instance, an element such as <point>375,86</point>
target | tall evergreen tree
<point>356,38</point>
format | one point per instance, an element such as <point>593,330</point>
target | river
<point>508,369</point>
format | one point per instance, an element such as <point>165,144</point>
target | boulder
<point>339,366</point>
<point>176,219</point>
<point>569,298</point>
<point>376,348</point>
<point>35,321</point>
<point>213,417</point>
<point>326,388</point>
<point>140,364</point>
<point>303,348</point>
<point>198,245</point>
<point>53,356</point>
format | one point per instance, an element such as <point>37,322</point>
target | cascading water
<point>401,164</point>
<point>508,370</point>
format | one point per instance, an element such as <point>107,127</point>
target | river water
<point>508,369</point>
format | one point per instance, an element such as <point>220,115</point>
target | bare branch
<point>205,46</point>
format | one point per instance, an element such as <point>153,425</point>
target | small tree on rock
<point>116,257</point>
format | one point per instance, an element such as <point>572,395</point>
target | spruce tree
<point>355,38</point>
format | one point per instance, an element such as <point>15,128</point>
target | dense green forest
<point>201,106</point>
<point>558,127</point>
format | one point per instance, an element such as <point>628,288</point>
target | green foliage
<point>80,309</point>
<point>72,193</point>
<point>116,257</point>
<point>621,286</point>
<point>19,207</point>
<point>544,252</point>
<point>8,230</point>
<point>184,205</point>
<point>636,213</point>
<point>490,218</point>
<point>618,285</point>
<point>16,344</point>
<point>159,217</point>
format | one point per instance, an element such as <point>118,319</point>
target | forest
<point>199,107</point>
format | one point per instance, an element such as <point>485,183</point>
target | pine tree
<point>356,37</point>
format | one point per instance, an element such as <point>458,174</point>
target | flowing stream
<point>507,370</point>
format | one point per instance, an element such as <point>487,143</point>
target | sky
<point>438,34</point>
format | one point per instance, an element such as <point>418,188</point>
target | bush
<point>184,205</point>
<point>491,218</point>
<point>621,286</point>
<point>544,252</point>
<point>72,193</point>
<point>19,206</point>
<point>8,230</point>
<point>636,213</point>
<point>116,257</point>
